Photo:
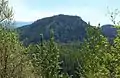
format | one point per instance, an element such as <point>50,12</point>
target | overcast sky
<point>89,10</point>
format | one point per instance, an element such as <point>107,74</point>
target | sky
<point>95,11</point>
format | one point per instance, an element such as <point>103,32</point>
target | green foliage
<point>100,58</point>
<point>45,58</point>
<point>92,51</point>
<point>13,61</point>
<point>95,57</point>
<point>12,55</point>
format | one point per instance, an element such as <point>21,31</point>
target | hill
<point>109,31</point>
<point>66,29</point>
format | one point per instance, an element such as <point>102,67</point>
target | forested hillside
<point>92,57</point>
<point>66,29</point>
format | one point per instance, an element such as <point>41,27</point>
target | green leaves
<point>100,58</point>
<point>45,58</point>
<point>13,59</point>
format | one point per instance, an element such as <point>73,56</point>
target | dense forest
<point>95,56</point>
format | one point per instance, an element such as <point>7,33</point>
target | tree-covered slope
<point>66,28</point>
